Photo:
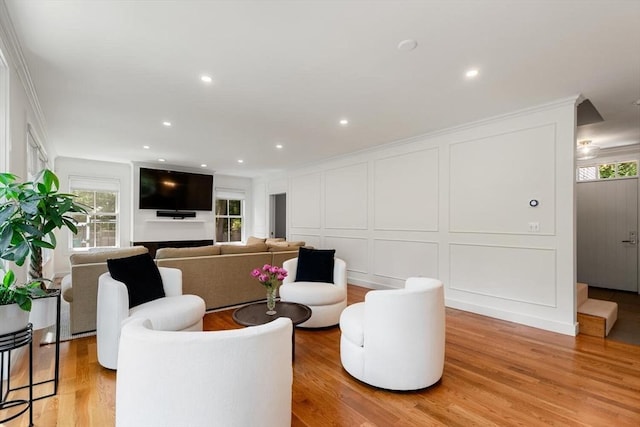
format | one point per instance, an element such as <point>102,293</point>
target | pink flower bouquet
<point>269,275</point>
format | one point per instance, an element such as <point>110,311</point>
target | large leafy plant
<point>29,213</point>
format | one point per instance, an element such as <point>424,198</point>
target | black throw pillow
<point>141,275</point>
<point>315,265</point>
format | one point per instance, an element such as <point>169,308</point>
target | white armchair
<point>240,377</point>
<point>326,300</point>
<point>395,338</point>
<point>174,312</point>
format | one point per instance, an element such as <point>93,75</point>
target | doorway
<point>607,235</point>
<point>278,226</point>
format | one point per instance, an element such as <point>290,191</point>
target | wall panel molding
<point>518,166</point>
<point>400,259</point>
<point>346,197</point>
<point>480,269</point>
<point>406,191</point>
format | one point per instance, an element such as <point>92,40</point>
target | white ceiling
<point>108,73</point>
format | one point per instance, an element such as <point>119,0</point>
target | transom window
<point>608,171</point>
<point>229,218</point>
<point>99,227</point>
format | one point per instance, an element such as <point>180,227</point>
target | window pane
<point>221,207</point>
<point>105,230</point>
<point>222,229</point>
<point>106,202</point>
<point>85,197</point>
<point>587,173</point>
<point>607,171</point>
<point>80,238</point>
<point>628,169</point>
<point>236,230</point>
<point>235,207</point>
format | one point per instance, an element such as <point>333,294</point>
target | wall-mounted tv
<point>173,190</point>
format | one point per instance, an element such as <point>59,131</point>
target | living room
<point>452,200</point>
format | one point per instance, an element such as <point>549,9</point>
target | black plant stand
<point>9,342</point>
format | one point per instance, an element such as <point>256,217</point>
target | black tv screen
<point>172,190</point>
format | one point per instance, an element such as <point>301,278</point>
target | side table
<point>9,342</point>
<point>256,314</point>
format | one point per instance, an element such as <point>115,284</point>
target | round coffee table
<point>256,314</point>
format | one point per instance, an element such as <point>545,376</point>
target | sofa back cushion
<point>187,252</point>
<point>247,249</point>
<point>252,240</point>
<point>103,256</point>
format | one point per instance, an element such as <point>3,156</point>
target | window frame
<point>229,217</point>
<point>598,166</point>
<point>102,185</point>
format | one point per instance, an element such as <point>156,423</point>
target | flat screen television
<point>173,190</point>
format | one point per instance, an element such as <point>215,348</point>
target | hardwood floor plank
<point>496,373</point>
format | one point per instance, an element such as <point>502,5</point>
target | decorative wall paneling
<point>454,204</point>
<point>517,167</point>
<point>354,251</point>
<point>406,191</point>
<point>346,197</point>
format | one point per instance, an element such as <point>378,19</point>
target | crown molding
<point>17,61</point>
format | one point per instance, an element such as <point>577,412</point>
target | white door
<point>607,235</point>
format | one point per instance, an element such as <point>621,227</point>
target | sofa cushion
<point>190,309</point>
<point>252,240</point>
<point>274,239</point>
<point>313,293</point>
<point>352,323</point>
<point>103,256</point>
<point>187,252</point>
<point>66,288</point>
<point>239,249</point>
<point>315,265</point>
<point>141,276</point>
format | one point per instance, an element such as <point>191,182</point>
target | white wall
<point>66,168</point>
<point>455,205</point>
<point>19,110</point>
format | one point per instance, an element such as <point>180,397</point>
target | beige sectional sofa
<point>220,274</point>
<point>222,277</point>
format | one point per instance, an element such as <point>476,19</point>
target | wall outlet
<point>534,227</point>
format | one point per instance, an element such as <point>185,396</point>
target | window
<point>36,156</point>
<point>229,217</point>
<point>98,228</point>
<point>608,171</point>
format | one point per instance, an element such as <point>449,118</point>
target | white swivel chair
<point>239,377</point>
<point>174,312</point>
<point>395,338</point>
<point>326,300</point>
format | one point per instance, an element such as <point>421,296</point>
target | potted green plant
<point>29,213</point>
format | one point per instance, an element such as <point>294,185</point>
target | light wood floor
<point>496,373</point>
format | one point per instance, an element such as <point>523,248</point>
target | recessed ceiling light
<point>206,79</point>
<point>167,124</point>
<point>344,122</point>
<point>279,146</point>
<point>240,161</point>
<point>146,147</point>
<point>204,165</point>
<point>161,160</point>
<point>408,44</point>
<point>472,73</point>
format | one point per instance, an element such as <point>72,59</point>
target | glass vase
<point>271,300</point>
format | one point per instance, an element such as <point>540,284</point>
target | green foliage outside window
<point>607,171</point>
<point>628,169</point>
<point>228,220</point>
